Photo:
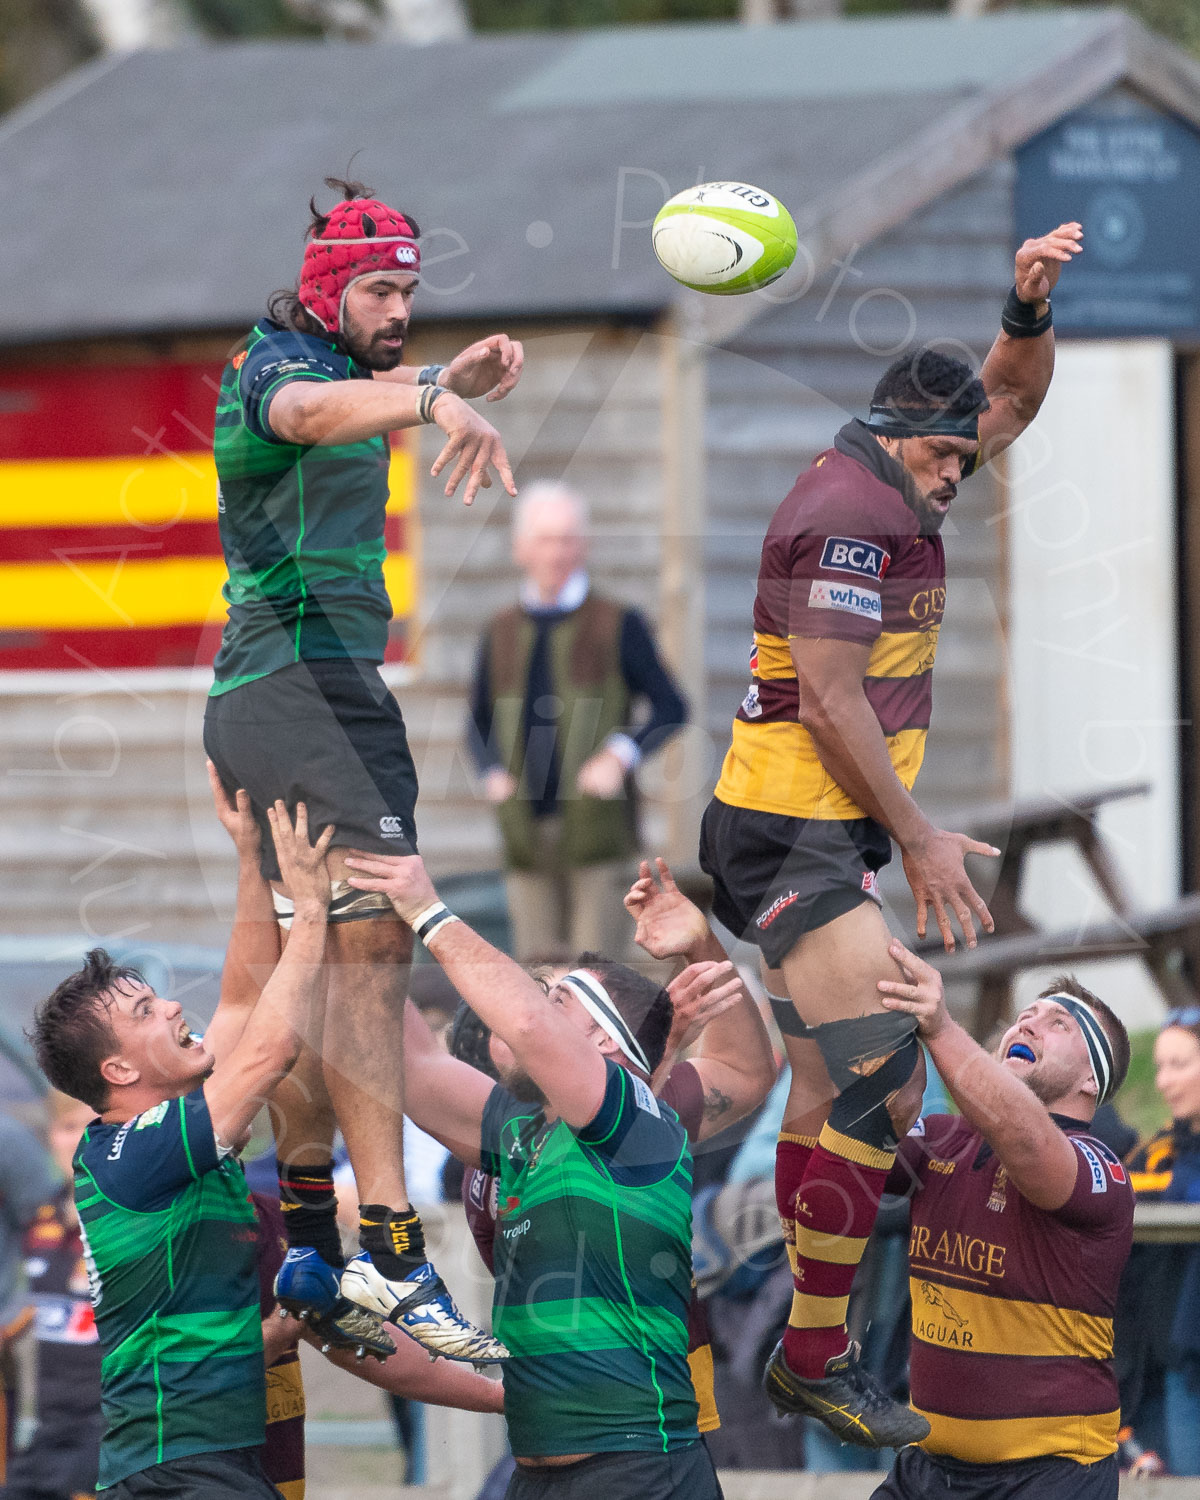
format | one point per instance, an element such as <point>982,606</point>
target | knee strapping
<point>849,1047</point>
<point>786,1019</point>
<point>347,905</point>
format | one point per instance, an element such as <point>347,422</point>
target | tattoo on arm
<point>716,1103</point>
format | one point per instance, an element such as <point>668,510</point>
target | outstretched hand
<point>402,878</point>
<point>938,877</point>
<point>235,817</point>
<point>1040,261</point>
<point>700,994</point>
<point>668,924</point>
<point>472,446</point>
<point>919,994</point>
<point>490,367</point>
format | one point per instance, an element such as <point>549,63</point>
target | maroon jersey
<point>843,558</point>
<point>283,1452</point>
<point>1012,1306</point>
<point>684,1093</point>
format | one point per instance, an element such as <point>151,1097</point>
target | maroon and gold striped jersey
<point>843,558</point>
<point>1012,1306</point>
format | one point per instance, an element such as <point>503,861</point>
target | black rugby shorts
<point>327,733</point>
<point>203,1476</point>
<point>681,1474</point>
<point>917,1475</point>
<point>776,878</point>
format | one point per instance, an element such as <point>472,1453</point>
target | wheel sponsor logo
<point>845,597</point>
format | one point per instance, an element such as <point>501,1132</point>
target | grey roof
<point>166,190</point>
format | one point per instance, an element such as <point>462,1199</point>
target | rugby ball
<point>724,237</point>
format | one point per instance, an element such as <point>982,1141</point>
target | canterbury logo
<point>391,828</point>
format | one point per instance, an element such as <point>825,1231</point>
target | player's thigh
<point>832,972</point>
<point>380,941</point>
<point>325,733</point>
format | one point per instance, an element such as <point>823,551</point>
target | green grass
<point>1139,1102</point>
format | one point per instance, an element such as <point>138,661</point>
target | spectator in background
<point>63,1457</point>
<point>1158,1329</point>
<point>552,735</point>
<point>27,1181</point>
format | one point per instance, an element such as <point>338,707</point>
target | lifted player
<point>299,709</point>
<point>816,784</point>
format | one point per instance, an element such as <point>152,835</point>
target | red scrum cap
<point>361,238</point>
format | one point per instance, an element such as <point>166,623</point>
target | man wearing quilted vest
<point>551,730</point>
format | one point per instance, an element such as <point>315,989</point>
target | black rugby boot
<point>848,1400</point>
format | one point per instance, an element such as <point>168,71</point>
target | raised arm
<point>564,1063</point>
<point>1019,367</point>
<point>734,1060</point>
<point>445,1097</point>
<point>322,413</point>
<point>1038,1157</point>
<point>270,1040</point>
<point>253,949</point>
<point>489,367</point>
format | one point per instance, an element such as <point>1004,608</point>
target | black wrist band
<point>427,400</point>
<point>1020,320</point>
<point>430,374</point>
<point>426,923</point>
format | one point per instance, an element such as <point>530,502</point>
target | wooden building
<point>151,203</point>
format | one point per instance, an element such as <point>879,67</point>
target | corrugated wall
<point>776,398</point>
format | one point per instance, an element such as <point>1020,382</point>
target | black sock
<point>309,1207</point>
<point>394,1241</point>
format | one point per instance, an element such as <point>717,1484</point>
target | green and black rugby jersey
<point>169,1232</point>
<point>302,528</point>
<point>593,1268</point>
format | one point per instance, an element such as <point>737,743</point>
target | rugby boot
<point>421,1306</point>
<point>848,1400</point>
<point>307,1289</point>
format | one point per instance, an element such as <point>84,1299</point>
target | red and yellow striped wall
<point>109,551</point>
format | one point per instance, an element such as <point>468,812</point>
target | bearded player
<point>299,710</point>
<point>817,783</point>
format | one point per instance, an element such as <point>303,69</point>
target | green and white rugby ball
<point>724,237</point>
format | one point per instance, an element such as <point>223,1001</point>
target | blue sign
<point>1130,175</point>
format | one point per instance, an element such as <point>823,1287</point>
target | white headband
<point>1099,1047</point>
<point>599,1004</point>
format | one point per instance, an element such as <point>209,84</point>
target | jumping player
<point>816,784</point>
<point>298,708</point>
<point>1021,1224</point>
